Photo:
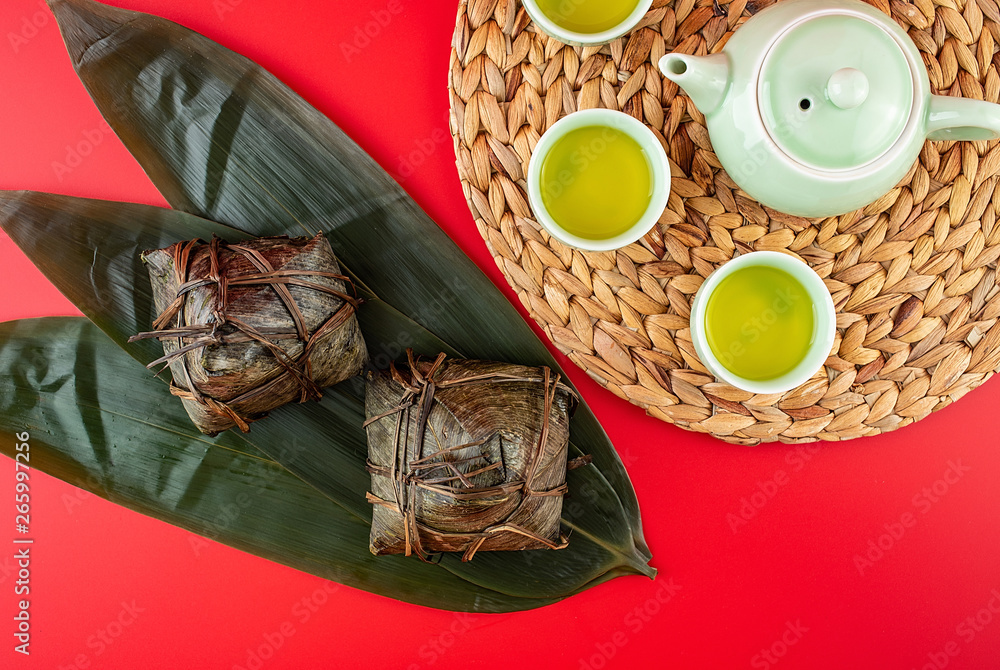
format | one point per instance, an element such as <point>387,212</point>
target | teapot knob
<point>847,88</point>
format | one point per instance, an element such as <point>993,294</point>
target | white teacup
<point>659,176</point>
<point>566,36</point>
<point>824,322</point>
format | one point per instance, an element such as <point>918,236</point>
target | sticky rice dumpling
<point>252,326</point>
<point>466,456</point>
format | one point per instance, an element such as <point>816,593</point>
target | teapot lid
<point>836,91</point>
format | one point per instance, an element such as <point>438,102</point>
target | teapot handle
<point>951,118</point>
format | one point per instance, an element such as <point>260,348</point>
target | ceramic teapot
<point>819,107</point>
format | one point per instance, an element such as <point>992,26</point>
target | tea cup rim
<point>825,327</point>
<point>574,38</point>
<point>638,131</point>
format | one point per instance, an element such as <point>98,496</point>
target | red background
<point>736,591</point>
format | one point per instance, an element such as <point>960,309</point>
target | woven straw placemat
<point>913,276</point>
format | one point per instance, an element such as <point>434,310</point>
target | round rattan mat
<point>913,275</point>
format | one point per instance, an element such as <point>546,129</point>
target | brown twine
<point>196,336</point>
<point>408,476</point>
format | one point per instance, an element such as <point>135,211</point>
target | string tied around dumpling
<point>446,471</point>
<point>226,329</point>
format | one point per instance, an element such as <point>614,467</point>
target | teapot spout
<point>962,119</point>
<point>704,78</point>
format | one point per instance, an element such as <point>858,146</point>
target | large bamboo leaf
<point>98,421</point>
<point>97,266</point>
<point>225,140</point>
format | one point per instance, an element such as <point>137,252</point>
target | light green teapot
<point>819,107</point>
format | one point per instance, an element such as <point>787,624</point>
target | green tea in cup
<point>760,322</point>
<point>588,16</point>
<point>586,22</point>
<point>598,180</point>
<point>763,322</point>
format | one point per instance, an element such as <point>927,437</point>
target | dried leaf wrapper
<point>252,326</point>
<point>466,456</point>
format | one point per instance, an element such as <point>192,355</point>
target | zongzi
<point>252,326</point>
<point>466,456</point>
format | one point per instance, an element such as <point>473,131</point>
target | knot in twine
<point>170,325</point>
<point>425,471</point>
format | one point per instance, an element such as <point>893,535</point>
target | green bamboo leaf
<point>91,250</point>
<point>225,140</point>
<point>98,421</point>
<point>98,269</point>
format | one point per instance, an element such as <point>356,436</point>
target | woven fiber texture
<point>913,276</point>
